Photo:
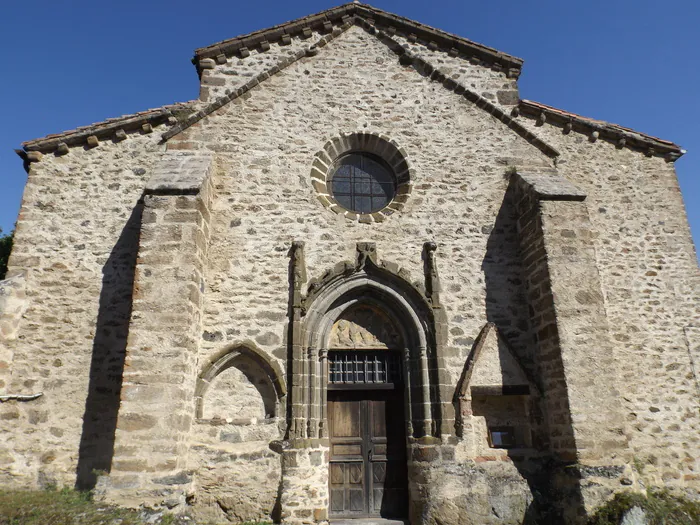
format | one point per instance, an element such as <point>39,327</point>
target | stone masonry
<point>166,322</point>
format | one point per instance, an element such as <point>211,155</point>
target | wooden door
<point>368,475</point>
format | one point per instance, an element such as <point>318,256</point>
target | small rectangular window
<point>501,437</point>
<point>363,367</point>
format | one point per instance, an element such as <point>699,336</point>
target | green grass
<point>662,508</point>
<point>64,507</point>
<point>70,507</point>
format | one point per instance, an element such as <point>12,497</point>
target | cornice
<point>595,130</point>
<point>115,129</point>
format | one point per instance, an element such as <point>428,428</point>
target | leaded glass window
<point>362,183</point>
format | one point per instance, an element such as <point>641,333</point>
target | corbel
<point>33,156</point>
<point>207,63</point>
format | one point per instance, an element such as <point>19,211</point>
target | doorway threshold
<point>367,521</point>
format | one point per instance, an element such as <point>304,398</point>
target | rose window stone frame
<point>362,143</point>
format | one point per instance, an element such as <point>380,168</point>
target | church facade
<point>357,277</point>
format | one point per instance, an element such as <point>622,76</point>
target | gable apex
<point>324,21</point>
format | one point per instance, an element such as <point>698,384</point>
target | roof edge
<point>618,135</point>
<point>343,14</point>
<point>114,129</point>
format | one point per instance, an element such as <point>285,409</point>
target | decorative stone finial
<point>366,251</point>
<point>298,268</point>
<point>432,279</point>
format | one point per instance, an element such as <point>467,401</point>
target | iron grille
<point>362,367</point>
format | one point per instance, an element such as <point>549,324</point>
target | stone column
<point>323,425</point>
<point>574,348</point>
<point>297,422</point>
<point>443,413</point>
<point>408,401</point>
<point>157,397</point>
<point>427,409</point>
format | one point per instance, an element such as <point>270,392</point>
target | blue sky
<point>72,63</point>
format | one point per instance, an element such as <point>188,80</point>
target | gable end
<point>406,58</point>
<point>350,14</point>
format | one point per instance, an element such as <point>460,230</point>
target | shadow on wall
<point>108,354</point>
<point>508,308</point>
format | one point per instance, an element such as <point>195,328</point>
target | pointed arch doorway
<point>401,321</point>
<point>366,415</point>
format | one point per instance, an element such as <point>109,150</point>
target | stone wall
<point>493,84</point>
<point>226,74</point>
<point>238,475</point>
<point>265,201</point>
<point>76,239</point>
<point>13,305</point>
<point>651,284</point>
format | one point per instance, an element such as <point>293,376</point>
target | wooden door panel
<point>345,416</point>
<point>337,474</point>
<point>357,500</point>
<point>355,473</point>
<point>368,472</point>
<point>388,481</point>
<point>379,472</point>
<point>378,416</point>
<point>377,501</point>
<point>347,450</point>
<point>337,500</point>
<point>347,469</point>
